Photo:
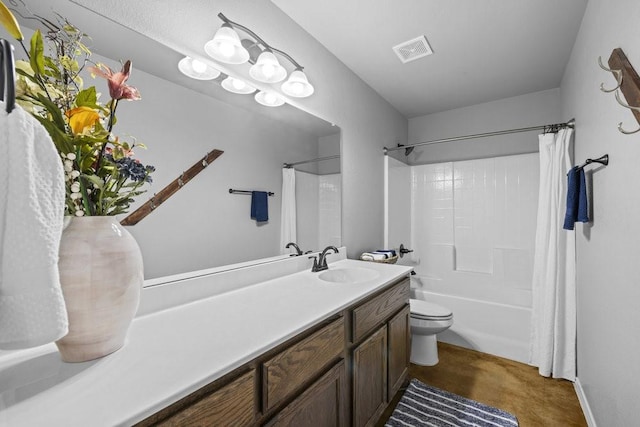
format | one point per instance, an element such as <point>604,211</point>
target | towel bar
<point>604,160</point>
<point>232,191</point>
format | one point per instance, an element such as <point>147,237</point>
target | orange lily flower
<point>82,118</point>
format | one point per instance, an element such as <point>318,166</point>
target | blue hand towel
<point>259,206</point>
<point>577,209</point>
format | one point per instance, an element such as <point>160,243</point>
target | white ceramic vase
<point>101,275</point>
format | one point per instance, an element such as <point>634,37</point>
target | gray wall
<point>367,121</point>
<point>607,248</point>
<point>533,109</point>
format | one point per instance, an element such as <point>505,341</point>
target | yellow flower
<point>9,22</point>
<point>81,119</point>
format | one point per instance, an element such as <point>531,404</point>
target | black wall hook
<point>7,75</point>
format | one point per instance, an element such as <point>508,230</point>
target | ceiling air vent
<point>413,49</point>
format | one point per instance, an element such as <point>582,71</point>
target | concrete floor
<point>511,386</point>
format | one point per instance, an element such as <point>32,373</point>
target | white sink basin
<point>348,275</point>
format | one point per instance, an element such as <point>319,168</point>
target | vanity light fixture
<point>197,69</point>
<point>269,99</point>
<point>236,85</point>
<point>227,47</point>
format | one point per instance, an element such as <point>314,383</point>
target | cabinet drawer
<point>377,310</point>
<point>288,370</point>
<point>232,404</point>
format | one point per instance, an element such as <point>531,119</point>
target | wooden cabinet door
<point>399,349</point>
<point>321,405</point>
<point>370,378</point>
<point>233,404</point>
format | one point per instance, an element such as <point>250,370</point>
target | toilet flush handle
<point>404,250</point>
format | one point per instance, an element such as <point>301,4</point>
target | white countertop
<point>173,352</point>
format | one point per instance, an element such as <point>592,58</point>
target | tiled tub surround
<point>177,350</point>
<point>318,201</point>
<point>473,230</point>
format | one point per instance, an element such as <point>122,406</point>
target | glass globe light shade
<point>197,69</point>
<point>198,66</point>
<point>297,85</point>
<point>269,99</point>
<point>226,47</point>
<point>267,69</point>
<point>235,85</point>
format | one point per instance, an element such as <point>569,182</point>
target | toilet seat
<point>428,311</point>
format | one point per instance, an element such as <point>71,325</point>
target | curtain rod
<point>570,124</point>
<point>319,159</point>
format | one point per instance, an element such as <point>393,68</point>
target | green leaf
<point>78,80</point>
<point>69,64</point>
<point>94,180</point>
<point>119,210</point>
<point>89,207</point>
<point>87,163</point>
<point>60,139</point>
<point>87,98</point>
<point>84,49</point>
<point>53,109</point>
<point>27,76</point>
<point>51,69</point>
<point>69,29</point>
<point>36,53</point>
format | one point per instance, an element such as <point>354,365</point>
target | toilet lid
<point>428,310</point>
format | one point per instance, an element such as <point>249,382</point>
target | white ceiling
<point>484,50</point>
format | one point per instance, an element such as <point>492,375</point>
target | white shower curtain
<point>288,212</point>
<point>553,322</point>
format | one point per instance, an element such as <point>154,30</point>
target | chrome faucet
<point>298,250</point>
<point>320,263</point>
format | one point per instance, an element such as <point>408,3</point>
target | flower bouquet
<point>101,174</point>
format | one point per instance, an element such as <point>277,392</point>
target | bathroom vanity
<point>300,349</point>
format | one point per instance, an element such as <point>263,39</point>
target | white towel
<point>373,256</point>
<point>32,198</point>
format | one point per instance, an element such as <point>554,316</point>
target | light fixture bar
<point>260,40</point>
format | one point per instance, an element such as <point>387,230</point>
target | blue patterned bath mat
<point>423,405</point>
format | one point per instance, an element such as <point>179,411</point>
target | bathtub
<point>490,327</point>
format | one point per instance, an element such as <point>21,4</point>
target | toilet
<point>427,320</point>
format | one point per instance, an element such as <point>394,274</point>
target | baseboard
<point>584,403</point>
